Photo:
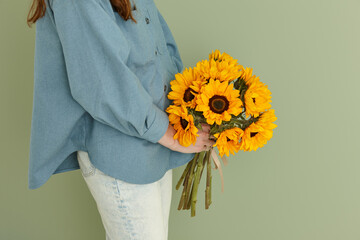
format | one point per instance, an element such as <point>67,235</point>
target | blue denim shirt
<point>101,85</point>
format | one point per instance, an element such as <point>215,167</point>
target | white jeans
<point>129,211</point>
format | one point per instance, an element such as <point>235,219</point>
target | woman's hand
<point>203,141</point>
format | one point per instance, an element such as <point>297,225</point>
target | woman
<point>101,78</point>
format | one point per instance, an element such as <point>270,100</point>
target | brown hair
<point>38,7</point>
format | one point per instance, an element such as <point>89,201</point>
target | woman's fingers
<point>204,140</point>
<point>210,142</point>
<point>207,142</point>
<point>205,127</point>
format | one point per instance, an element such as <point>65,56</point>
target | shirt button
<point>165,87</point>
<point>147,20</point>
<point>156,52</point>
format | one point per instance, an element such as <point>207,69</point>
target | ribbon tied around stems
<point>218,165</point>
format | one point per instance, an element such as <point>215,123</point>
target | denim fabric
<point>100,86</point>
<point>129,211</point>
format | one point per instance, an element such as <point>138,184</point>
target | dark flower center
<point>218,104</point>
<point>188,96</point>
<point>227,139</point>
<point>253,100</point>
<point>183,123</point>
<point>253,134</point>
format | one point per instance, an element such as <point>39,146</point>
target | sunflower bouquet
<point>234,102</point>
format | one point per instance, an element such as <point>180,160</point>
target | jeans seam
<point>122,208</point>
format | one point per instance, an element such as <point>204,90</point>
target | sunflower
<point>257,97</point>
<point>247,76</point>
<point>186,131</point>
<point>258,133</point>
<point>185,87</point>
<point>218,100</point>
<point>228,141</point>
<point>217,56</point>
<point>219,70</point>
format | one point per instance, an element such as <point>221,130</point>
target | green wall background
<point>304,184</point>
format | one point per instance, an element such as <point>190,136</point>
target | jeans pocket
<point>87,168</point>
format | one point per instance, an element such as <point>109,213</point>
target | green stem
<point>208,184</point>
<point>185,171</point>
<point>188,203</point>
<point>184,193</point>
<point>190,179</point>
<point>207,155</point>
<point>196,183</point>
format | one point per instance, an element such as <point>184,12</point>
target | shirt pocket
<point>142,49</point>
<point>160,40</point>
<point>143,52</point>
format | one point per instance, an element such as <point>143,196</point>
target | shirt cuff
<point>158,126</point>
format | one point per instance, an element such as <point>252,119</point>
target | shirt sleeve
<point>170,43</point>
<point>95,51</point>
